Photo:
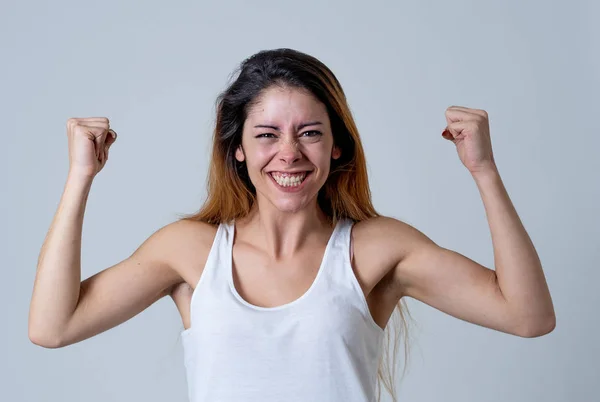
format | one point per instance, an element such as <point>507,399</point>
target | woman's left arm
<point>517,289</point>
<point>518,268</point>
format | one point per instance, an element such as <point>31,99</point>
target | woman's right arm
<point>63,309</point>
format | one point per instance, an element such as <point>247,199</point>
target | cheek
<point>321,157</point>
<point>257,159</point>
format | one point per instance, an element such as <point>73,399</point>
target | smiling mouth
<point>290,180</point>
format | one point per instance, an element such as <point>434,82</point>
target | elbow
<point>43,340</point>
<point>43,333</point>
<point>538,328</point>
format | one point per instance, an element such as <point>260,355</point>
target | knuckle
<point>78,129</point>
<point>71,122</point>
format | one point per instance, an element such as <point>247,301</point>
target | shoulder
<point>185,244</point>
<point>385,231</point>
<point>387,240</point>
<point>186,232</point>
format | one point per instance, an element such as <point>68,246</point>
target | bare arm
<point>122,291</point>
<point>514,298</point>
<point>57,281</point>
<point>65,310</point>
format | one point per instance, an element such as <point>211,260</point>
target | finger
<point>109,141</point>
<point>99,141</point>
<point>478,112</point>
<point>458,126</point>
<point>88,119</point>
<point>94,124</point>
<point>447,135</point>
<point>454,115</point>
<point>92,134</point>
<point>452,129</point>
<point>455,129</point>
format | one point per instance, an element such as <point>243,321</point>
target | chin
<point>290,205</point>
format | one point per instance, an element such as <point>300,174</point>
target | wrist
<point>79,178</point>
<point>487,171</point>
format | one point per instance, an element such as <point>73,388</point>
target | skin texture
<point>279,246</point>
<point>276,258</point>
<point>287,148</point>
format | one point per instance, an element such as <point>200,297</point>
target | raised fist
<point>89,142</point>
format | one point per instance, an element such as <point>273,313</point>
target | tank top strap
<point>342,242</point>
<point>217,252</point>
<point>336,258</point>
<point>342,272</point>
<point>225,246</point>
<point>212,275</point>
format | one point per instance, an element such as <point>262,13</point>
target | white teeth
<point>289,181</point>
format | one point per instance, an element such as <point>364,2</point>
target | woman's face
<point>287,145</point>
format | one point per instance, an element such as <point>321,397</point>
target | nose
<point>289,151</point>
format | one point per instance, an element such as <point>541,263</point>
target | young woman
<point>287,276</point>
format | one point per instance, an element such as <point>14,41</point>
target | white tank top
<point>323,346</point>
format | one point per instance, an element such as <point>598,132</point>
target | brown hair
<point>345,194</point>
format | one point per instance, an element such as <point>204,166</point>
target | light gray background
<point>155,70</point>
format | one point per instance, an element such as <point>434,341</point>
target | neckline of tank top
<point>229,267</point>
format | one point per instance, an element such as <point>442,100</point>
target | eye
<point>315,132</point>
<point>265,135</point>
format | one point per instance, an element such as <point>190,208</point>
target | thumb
<point>111,138</point>
<point>456,128</point>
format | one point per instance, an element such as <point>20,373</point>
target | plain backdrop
<point>155,68</point>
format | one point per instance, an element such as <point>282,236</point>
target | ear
<point>239,154</point>
<point>336,152</point>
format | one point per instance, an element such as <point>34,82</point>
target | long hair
<point>346,192</point>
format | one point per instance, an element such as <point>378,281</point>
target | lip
<point>290,171</point>
<point>290,189</point>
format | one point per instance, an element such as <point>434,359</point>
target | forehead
<point>286,106</point>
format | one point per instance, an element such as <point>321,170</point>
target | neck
<point>283,234</point>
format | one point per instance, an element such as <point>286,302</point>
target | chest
<point>263,282</point>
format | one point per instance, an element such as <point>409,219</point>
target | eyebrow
<point>301,126</point>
